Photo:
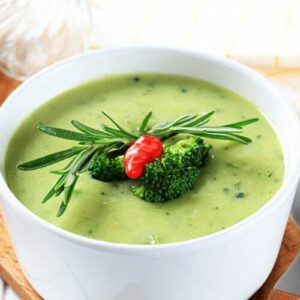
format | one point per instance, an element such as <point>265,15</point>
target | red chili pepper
<point>143,151</point>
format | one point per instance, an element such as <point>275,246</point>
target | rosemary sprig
<point>50,159</point>
<point>114,141</point>
<point>193,124</point>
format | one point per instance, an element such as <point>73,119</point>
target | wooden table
<point>11,272</point>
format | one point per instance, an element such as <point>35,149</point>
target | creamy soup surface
<point>109,211</point>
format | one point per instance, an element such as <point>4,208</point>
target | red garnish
<point>143,151</point>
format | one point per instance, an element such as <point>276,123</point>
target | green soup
<point>109,211</point>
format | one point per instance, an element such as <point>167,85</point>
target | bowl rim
<point>289,181</point>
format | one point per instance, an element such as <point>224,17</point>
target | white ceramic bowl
<point>231,264</point>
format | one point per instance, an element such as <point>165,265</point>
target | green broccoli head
<point>160,185</point>
<point>188,152</point>
<point>108,168</point>
<point>175,173</point>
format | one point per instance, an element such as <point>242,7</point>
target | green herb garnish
<point>100,152</point>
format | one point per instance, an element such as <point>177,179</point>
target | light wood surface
<point>289,250</point>
<point>11,272</point>
<point>280,295</point>
<point>10,269</point>
<point>7,85</point>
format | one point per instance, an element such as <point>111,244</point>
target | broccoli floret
<point>108,168</point>
<point>188,152</point>
<point>175,173</point>
<point>160,185</point>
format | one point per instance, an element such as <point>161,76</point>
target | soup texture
<point>236,182</point>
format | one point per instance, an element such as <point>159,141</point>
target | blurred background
<point>264,34</point>
<point>34,33</point>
